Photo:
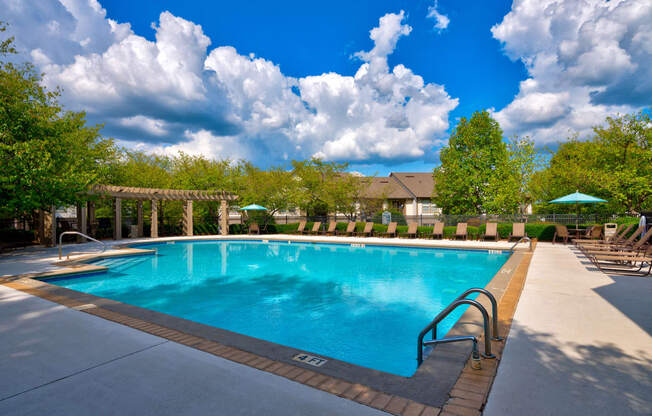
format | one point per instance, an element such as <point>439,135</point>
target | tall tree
<point>472,164</point>
<point>49,156</point>
<point>614,164</point>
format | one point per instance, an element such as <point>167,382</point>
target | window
<point>428,207</point>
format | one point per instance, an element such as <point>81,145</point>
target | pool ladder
<point>489,335</point>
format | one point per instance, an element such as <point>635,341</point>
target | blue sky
<point>306,38</point>
<point>274,81</point>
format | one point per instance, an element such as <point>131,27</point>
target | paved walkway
<point>580,342</point>
<point>58,361</point>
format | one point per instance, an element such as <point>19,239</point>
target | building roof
<point>420,184</point>
<point>385,187</point>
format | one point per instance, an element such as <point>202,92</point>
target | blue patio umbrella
<point>253,207</point>
<point>577,198</point>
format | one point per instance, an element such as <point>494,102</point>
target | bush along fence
<point>540,231</point>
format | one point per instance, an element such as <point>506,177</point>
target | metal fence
<point>429,220</point>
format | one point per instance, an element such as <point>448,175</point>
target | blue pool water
<point>361,305</point>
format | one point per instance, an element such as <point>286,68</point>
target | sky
<point>377,84</point>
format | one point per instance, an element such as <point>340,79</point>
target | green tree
<point>326,187</point>
<point>48,156</point>
<point>473,165</point>
<point>276,189</point>
<point>510,189</point>
<point>614,164</point>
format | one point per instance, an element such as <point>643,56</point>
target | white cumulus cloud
<point>176,93</point>
<point>585,60</point>
<point>441,20</point>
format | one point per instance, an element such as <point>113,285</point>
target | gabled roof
<point>420,184</point>
<point>385,187</point>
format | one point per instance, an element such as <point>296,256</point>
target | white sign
<point>309,359</point>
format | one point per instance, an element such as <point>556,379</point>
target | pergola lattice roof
<point>130,192</point>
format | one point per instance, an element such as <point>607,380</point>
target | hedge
<point>540,231</point>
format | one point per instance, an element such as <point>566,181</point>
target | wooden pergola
<point>154,195</point>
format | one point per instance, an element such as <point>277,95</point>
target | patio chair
<point>301,228</point>
<point>632,247</point>
<point>413,229</point>
<point>491,231</point>
<point>624,263</point>
<point>332,226</point>
<point>254,228</point>
<point>626,244</point>
<point>518,231</point>
<point>592,234</point>
<point>391,230</point>
<point>437,230</point>
<point>368,230</point>
<point>315,227</point>
<point>619,237</point>
<point>560,232</point>
<point>461,231</point>
<point>350,229</point>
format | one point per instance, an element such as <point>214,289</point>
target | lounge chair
<point>631,246</point>
<point>301,228</point>
<point>626,244</point>
<point>624,263</point>
<point>315,227</point>
<point>518,231</point>
<point>368,230</point>
<point>254,228</point>
<point>438,230</point>
<point>391,230</point>
<point>619,237</point>
<point>490,231</point>
<point>560,232</point>
<point>332,226</point>
<point>461,230</point>
<point>350,229</point>
<point>413,229</point>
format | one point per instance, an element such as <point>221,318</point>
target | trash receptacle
<point>610,230</point>
<point>133,231</point>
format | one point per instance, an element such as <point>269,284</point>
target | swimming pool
<point>363,305</point>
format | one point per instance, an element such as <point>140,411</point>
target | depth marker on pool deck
<point>309,359</point>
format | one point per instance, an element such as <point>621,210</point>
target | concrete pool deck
<point>58,361</point>
<point>579,343</point>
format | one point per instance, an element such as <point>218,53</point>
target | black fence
<point>429,220</point>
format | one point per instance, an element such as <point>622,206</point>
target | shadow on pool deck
<point>571,379</point>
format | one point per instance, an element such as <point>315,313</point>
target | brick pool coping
<point>465,393</point>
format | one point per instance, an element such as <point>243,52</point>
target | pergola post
<point>187,218</point>
<point>117,231</point>
<point>154,227</point>
<point>48,227</point>
<point>139,217</point>
<point>224,218</point>
<point>82,218</point>
<point>91,218</point>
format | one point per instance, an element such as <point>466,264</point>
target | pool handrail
<point>494,310</point>
<point>443,314</point>
<point>526,238</point>
<point>81,234</point>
